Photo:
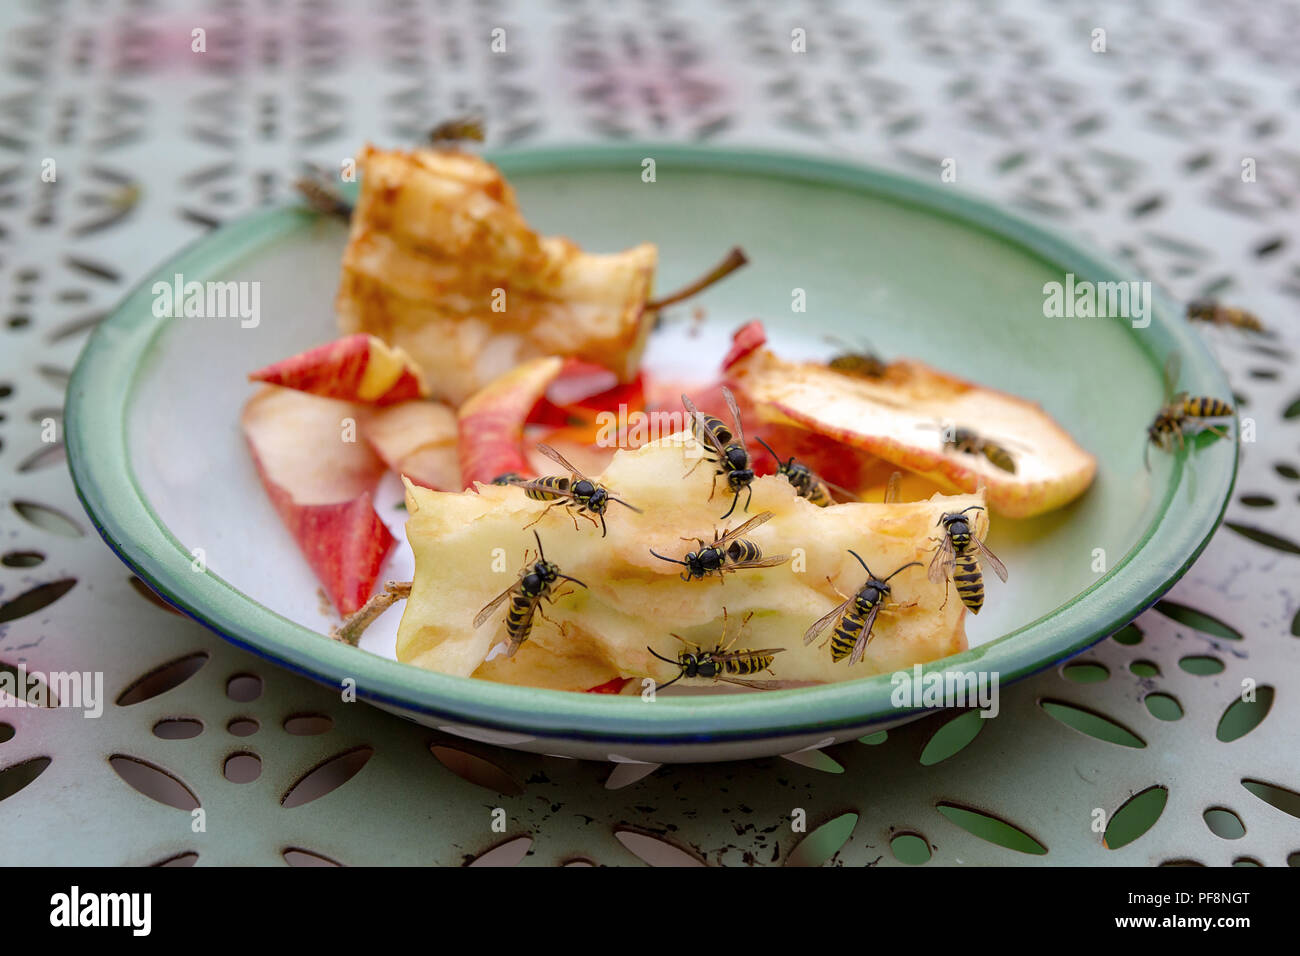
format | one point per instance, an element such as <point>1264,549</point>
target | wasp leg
<point>543,515</point>
<point>843,596</point>
<point>895,608</point>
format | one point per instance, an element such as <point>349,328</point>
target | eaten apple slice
<point>419,440</point>
<point>491,422</point>
<point>355,368</point>
<point>320,478</point>
<point>903,418</point>
<point>470,547</point>
<point>441,262</point>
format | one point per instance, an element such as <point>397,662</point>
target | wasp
<point>508,478</point>
<point>807,483</point>
<point>856,616</point>
<point>323,196</point>
<point>722,663</point>
<point>968,440</point>
<point>1210,311</point>
<point>960,553</point>
<point>862,363</point>
<point>525,597</point>
<point>1179,412</point>
<point>730,552</point>
<point>576,490</point>
<point>458,129</point>
<point>728,445</point>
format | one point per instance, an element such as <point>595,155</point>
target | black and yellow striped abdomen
<point>747,662</point>
<point>968,577</point>
<point>547,489</point>
<point>849,628</point>
<point>519,621</point>
<point>817,493</point>
<point>1199,406</point>
<point>743,550</point>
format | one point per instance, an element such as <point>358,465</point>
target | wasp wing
<point>942,562</point>
<point>990,559</point>
<point>724,656</point>
<point>702,430</point>
<point>492,605</point>
<point>560,460</point>
<point>744,529</point>
<point>764,684</point>
<point>893,491</point>
<point>735,415</point>
<point>770,561</point>
<point>861,646</point>
<point>820,624</point>
<point>1173,366</point>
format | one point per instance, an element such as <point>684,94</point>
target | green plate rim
<point>101,470</point>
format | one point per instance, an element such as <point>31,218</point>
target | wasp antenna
<point>905,567</point>
<point>734,501</point>
<point>574,580</point>
<point>769,449</point>
<point>655,653</point>
<point>659,687</point>
<point>971,508</point>
<point>662,558</point>
<point>540,553</point>
<point>861,562</point>
<point>626,505</point>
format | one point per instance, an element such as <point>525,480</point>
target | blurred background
<point>129,128</point>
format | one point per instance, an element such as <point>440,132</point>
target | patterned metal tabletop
<point>1132,124</point>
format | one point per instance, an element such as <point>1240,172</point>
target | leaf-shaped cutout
<point>824,842</point>
<point>44,457</point>
<point>1091,723</point>
<point>476,770</point>
<point>1295,624</point>
<point>1288,801</point>
<point>178,728</point>
<point>1197,620</point>
<point>910,848</point>
<point>876,739</point>
<point>1182,863</point>
<point>48,519</point>
<point>6,732</point>
<point>1202,665</point>
<point>1135,816</point>
<point>1243,716</point>
<point>1292,410</point>
<point>1145,668</point>
<point>154,782</point>
<point>27,685</point>
<point>1293,859</point>
<point>1289,472</point>
<point>1246,861</point>
<point>162,679</point>
<point>626,774</point>
<point>816,760</point>
<point>992,829</point>
<point>1128,635</point>
<point>188,858</point>
<point>243,727</point>
<point>15,778</point>
<point>654,849</point>
<point>952,737</point>
<point>1257,501</point>
<point>1085,672</point>
<point>1267,538</point>
<point>578,862</point>
<point>1163,706</point>
<point>327,776</point>
<point>41,596</point>
<point>22,559</point>
<point>509,853</point>
<point>308,725</point>
<point>1224,823</point>
<point>297,856</point>
<point>244,688</point>
<point>150,595</point>
<point>242,767</point>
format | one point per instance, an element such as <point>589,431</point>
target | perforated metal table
<point>1134,148</point>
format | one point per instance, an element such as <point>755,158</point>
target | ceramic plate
<point>917,269</point>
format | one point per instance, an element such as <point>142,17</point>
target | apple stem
<point>351,628</point>
<point>323,198</point>
<point>734,260</point>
